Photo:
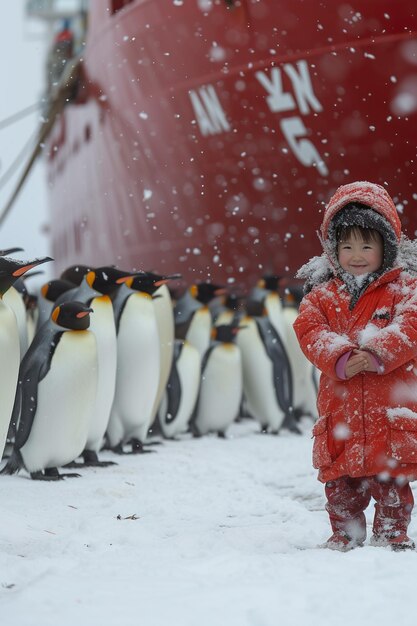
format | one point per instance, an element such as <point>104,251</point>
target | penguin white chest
<point>138,366</point>
<point>221,389</point>
<point>65,400</point>
<point>103,327</point>
<point>14,301</point>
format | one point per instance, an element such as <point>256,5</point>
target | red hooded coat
<point>367,424</point>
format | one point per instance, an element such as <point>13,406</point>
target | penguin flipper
<point>193,421</point>
<point>173,388</point>
<point>34,367</point>
<point>119,303</point>
<point>14,463</point>
<point>280,361</point>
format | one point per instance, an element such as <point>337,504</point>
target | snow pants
<point>347,499</point>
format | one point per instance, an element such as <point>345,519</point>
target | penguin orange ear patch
<point>90,278</point>
<point>55,313</point>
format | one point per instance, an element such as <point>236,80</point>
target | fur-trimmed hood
<point>368,205</point>
<point>362,192</point>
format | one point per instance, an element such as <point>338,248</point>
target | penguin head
<point>55,288</point>
<point>72,315</point>
<point>104,279</point>
<point>12,269</point>
<point>225,333</point>
<point>75,273</point>
<point>293,296</point>
<point>234,301</point>
<point>255,308</point>
<point>270,282</point>
<point>145,281</point>
<point>205,292</point>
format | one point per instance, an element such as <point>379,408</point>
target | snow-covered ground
<point>203,532</point>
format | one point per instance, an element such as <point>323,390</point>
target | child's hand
<point>360,361</point>
<point>356,364</point>
<point>370,363</point>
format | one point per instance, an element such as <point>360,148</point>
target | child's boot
<point>390,527</point>
<point>346,502</point>
<point>341,541</point>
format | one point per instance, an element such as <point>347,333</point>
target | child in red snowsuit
<point>358,325</point>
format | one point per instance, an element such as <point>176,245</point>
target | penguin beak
<point>125,279</point>
<point>221,291</point>
<point>82,314</point>
<point>159,283</point>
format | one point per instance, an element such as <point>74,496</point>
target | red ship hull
<point>206,138</point>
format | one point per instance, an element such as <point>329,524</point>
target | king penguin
<point>138,363</point>
<point>94,291</point>
<point>55,395</point>
<point>221,383</point>
<point>267,377</point>
<point>10,271</point>
<point>162,303</point>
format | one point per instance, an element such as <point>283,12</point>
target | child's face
<point>358,256</point>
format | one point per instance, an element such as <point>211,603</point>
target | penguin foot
<point>91,460</point>
<point>41,476</point>
<point>51,473</point>
<point>221,434</point>
<point>70,475</point>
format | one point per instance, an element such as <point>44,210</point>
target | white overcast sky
<point>22,57</point>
